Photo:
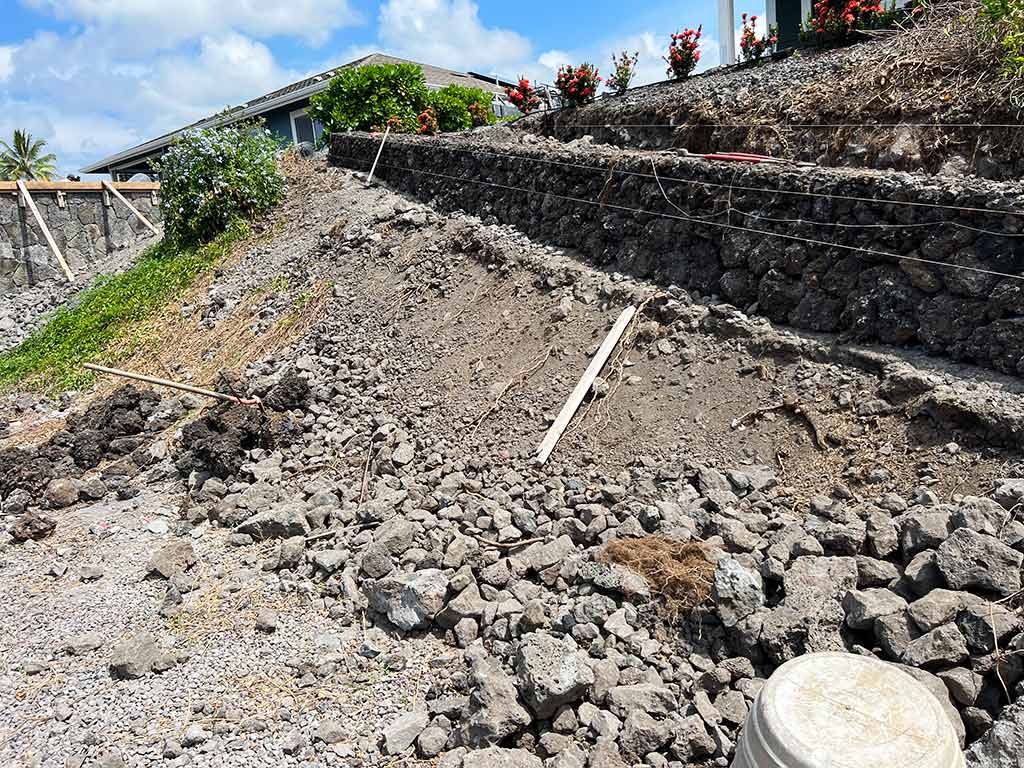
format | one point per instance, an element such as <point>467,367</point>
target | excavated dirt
<point>426,570</point>
<point>110,427</point>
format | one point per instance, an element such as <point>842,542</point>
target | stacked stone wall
<point>897,258</point>
<point>89,227</point>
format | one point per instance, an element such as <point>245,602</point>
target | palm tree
<point>25,159</point>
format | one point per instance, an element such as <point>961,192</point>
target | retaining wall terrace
<point>88,226</point>
<point>607,205</point>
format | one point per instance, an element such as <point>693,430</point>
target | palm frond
<point>24,158</point>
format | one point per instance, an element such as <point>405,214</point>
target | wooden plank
<point>585,383</point>
<point>173,385</point>
<point>369,179</point>
<point>80,186</point>
<point>46,230</point>
<point>113,190</point>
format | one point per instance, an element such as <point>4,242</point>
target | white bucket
<point>840,710</point>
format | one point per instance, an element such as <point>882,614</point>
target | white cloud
<point>75,138</point>
<point>166,23</point>
<point>449,33</point>
<point>6,61</point>
<point>230,68</point>
<point>69,84</point>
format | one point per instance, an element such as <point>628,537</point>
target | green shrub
<point>210,178</point>
<point>478,103</point>
<point>451,111</point>
<point>372,97</point>
<point>51,359</point>
<point>366,98</point>
<point>1003,23</point>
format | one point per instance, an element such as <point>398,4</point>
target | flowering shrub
<point>752,47</point>
<point>1003,23</point>
<point>684,53</point>
<point>213,177</point>
<point>428,122</point>
<point>836,21</point>
<point>577,85</point>
<point>523,97</point>
<point>481,115</point>
<point>366,98</point>
<point>624,69</point>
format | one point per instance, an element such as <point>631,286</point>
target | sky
<point>94,77</point>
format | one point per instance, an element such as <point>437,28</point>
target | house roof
<point>300,91</point>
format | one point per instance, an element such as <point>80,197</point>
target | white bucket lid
<point>840,710</point>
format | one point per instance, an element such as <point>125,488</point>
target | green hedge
<point>1003,23</point>
<point>367,98</point>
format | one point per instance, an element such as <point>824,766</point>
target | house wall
<point>88,231</point>
<point>279,121</point>
<point>789,14</point>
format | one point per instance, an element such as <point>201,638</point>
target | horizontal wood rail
<point>80,186</point>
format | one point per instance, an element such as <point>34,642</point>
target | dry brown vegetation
<point>681,573</point>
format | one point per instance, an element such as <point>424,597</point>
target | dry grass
<point>940,63</point>
<point>681,573</point>
<point>172,343</point>
<point>35,429</point>
<point>208,616</point>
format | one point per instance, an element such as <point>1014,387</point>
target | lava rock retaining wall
<point>86,229</point>
<point>954,310</point>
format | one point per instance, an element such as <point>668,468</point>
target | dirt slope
<point>436,350</point>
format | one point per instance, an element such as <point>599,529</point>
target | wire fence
<point>685,216</point>
<point>775,191</point>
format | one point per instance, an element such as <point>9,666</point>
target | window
<point>305,129</point>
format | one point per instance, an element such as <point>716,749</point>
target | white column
<point>805,9</point>
<point>771,15</point>
<point>727,31</point>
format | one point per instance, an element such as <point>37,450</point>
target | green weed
<point>51,359</point>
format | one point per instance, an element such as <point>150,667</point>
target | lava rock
<point>943,646</point>
<point>1003,745</point>
<point>32,525</point>
<point>737,591</point>
<point>400,734</point>
<point>134,657</point>
<point>496,757</point>
<point>281,521</point>
<point>62,492</point>
<point>493,711</point>
<point>968,559</point>
<point>863,608</point>
<point>176,557</point>
<point>409,600</point>
<point>551,672</point>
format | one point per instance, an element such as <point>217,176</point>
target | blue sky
<point>96,76</point>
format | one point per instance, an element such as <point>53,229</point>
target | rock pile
<point>118,430</point>
<point>360,506</point>
<point>568,654</point>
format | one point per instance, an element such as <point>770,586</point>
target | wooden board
<point>584,384</point>
<point>113,190</point>
<point>80,186</point>
<point>23,189</point>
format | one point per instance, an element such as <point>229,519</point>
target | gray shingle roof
<point>298,91</point>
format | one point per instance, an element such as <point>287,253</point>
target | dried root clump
<point>681,573</point>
